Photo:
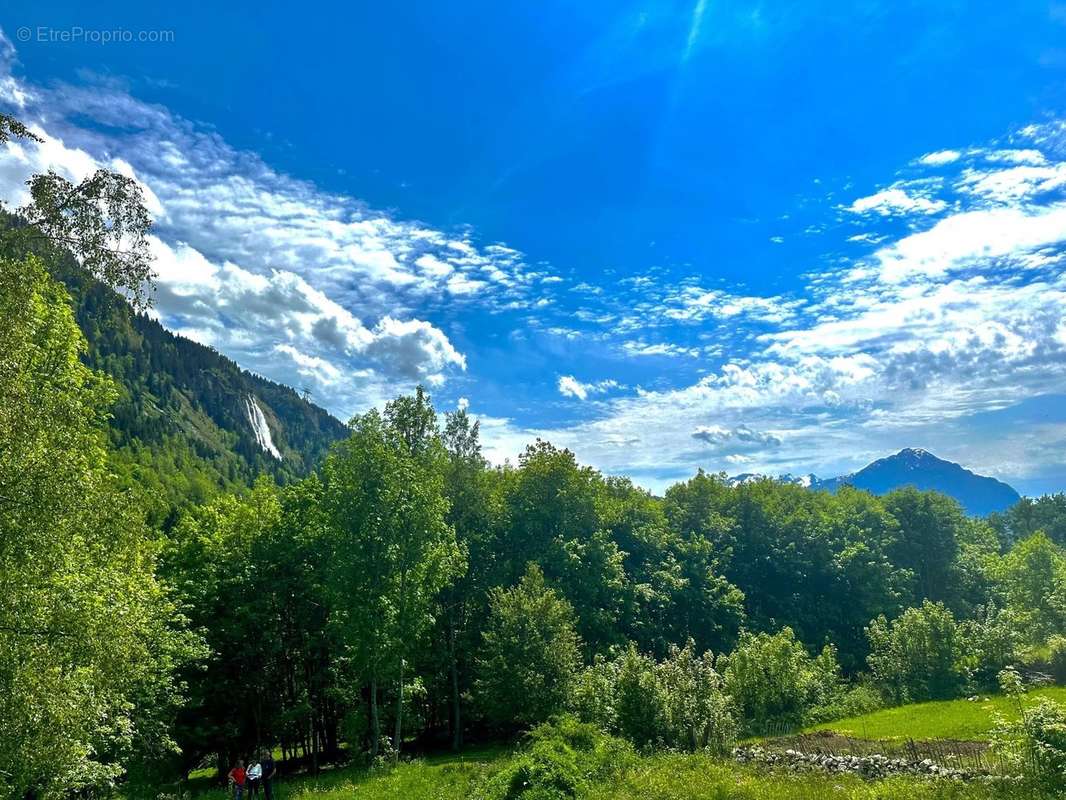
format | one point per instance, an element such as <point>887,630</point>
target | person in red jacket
<point>236,780</point>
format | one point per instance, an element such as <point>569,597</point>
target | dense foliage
<point>89,639</point>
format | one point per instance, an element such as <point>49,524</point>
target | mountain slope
<point>978,494</point>
<point>188,421</point>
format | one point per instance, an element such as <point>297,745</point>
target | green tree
<point>553,519</point>
<point>474,511</point>
<point>1031,578</point>
<point>674,589</point>
<point>529,655</point>
<point>391,549</point>
<point>1029,515</point>
<point>219,558</point>
<point>103,220</point>
<point>89,638</point>
<point>816,562</point>
<point>930,527</point>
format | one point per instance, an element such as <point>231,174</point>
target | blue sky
<point>786,237</point>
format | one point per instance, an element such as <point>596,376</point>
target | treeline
<point>410,591</point>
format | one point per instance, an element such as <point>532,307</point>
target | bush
<point>697,712</point>
<point>991,642</point>
<point>1043,727</point>
<point>563,760</point>
<point>1036,742</point>
<point>529,656</point>
<point>639,713</point>
<point>1056,658</point>
<point>774,681</point>
<point>853,702</point>
<point>593,697</point>
<point>678,703</point>
<point>918,656</point>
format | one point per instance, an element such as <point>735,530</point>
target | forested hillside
<point>182,426</point>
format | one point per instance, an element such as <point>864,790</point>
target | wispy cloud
<point>569,386</point>
<point>895,201</point>
<point>943,326</point>
<point>296,283</point>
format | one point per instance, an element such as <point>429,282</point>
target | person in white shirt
<point>255,779</point>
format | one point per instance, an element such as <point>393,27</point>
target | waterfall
<point>260,427</point>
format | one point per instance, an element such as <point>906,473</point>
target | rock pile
<point>870,767</point>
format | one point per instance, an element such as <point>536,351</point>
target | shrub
<point>678,703</point>
<point>529,655</point>
<point>638,700</point>
<point>1056,658</point>
<point>918,656</point>
<point>1036,741</point>
<point>593,697</point>
<point>697,713</point>
<point>991,641</point>
<point>853,702</point>
<point>1043,728</point>
<point>774,681</point>
<point>563,760</point>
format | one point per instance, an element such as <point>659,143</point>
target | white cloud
<point>569,386</point>
<point>896,201</point>
<point>1014,183</point>
<point>940,157</point>
<point>957,241</point>
<point>1022,156</point>
<point>694,303</point>
<point>742,434</point>
<point>739,458</point>
<point>641,348</point>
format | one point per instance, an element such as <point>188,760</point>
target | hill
<point>978,494</point>
<point>188,421</point>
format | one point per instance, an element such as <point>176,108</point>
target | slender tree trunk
<point>399,715</point>
<point>457,722</point>
<point>375,722</point>
<point>402,630</point>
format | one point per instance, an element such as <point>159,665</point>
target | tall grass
<point>964,720</point>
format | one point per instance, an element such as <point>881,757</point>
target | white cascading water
<point>260,427</point>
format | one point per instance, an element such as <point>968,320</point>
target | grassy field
<point>666,777</point>
<point>697,777</point>
<point>950,719</point>
<point>680,777</point>
<point>443,776</point>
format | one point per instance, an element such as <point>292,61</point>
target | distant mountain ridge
<point>978,494</point>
